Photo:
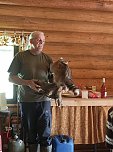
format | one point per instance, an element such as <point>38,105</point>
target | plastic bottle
<point>103,89</point>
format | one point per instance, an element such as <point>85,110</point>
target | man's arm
<point>19,81</point>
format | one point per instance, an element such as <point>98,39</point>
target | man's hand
<point>30,83</point>
<point>33,85</point>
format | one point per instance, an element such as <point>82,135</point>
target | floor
<point>92,148</point>
<point>89,148</point>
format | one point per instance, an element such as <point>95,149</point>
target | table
<point>82,119</point>
<point>86,102</point>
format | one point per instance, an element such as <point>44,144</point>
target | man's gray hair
<point>34,34</point>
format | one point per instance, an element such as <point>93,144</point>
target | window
<point>6,55</point>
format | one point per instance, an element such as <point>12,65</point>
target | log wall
<point>80,31</point>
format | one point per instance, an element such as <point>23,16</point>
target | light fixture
<point>14,39</point>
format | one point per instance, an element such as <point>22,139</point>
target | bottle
<point>103,89</point>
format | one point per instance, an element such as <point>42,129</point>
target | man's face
<point>38,41</point>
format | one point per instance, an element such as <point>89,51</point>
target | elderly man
<point>26,68</point>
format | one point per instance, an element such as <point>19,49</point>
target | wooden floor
<point>91,148</point>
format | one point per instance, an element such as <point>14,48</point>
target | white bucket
<point>3,101</point>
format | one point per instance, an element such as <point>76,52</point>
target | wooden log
<point>91,74</point>
<point>78,37</point>
<point>54,25</point>
<point>78,49</point>
<point>91,64</point>
<point>100,5</point>
<point>57,13</point>
<point>83,58</point>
